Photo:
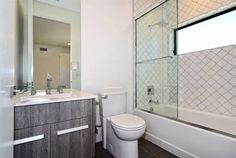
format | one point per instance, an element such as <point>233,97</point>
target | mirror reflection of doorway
<point>51,53</point>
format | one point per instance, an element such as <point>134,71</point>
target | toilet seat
<point>128,122</point>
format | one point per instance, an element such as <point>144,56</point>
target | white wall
<point>106,45</point>
<point>8,43</point>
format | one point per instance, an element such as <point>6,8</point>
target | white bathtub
<point>215,121</point>
<point>187,141</point>
<point>162,109</point>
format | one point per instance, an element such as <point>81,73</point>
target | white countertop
<point>41,98</point>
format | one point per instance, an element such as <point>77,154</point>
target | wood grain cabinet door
<point>32,142</point>
<point>71,139</point>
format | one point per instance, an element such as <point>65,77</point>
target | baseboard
<point>168,146</point>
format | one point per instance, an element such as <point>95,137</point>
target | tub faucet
<point>154,102</point>
<point>49,80</point>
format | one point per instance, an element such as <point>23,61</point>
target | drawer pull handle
<point>72,130</point>
<point>29,139</point>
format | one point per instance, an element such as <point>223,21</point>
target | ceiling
<point>73,5</point>
<point>51,32</point>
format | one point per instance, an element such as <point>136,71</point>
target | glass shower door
<point>156,63</point>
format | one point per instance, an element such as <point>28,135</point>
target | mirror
<point>51,54</point>
<point>50,44</point>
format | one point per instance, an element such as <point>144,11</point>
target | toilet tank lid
<point>113,91</point>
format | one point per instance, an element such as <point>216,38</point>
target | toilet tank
<point>115,103</point>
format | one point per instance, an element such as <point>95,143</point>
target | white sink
<point>42,97</point>
<point>29,99</point>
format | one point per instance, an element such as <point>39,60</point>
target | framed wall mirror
<point>50,45</point>
<point>51,53</point>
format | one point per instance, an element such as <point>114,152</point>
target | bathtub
<point>161,109</point>
<point>215,121</point>
<point>187,141</point>
<point>218,122</point>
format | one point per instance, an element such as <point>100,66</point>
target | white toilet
<point>121,130</point>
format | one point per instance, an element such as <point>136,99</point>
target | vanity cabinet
<point>71,139</point>
<point>55,130</point>
<point>32,142</point>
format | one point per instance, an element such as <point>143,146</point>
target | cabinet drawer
<point>36,115</point>
<point>32,142</point>
<point>72,139</point>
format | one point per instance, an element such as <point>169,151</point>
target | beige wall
<point>49,63</point>
<point>65,69</point>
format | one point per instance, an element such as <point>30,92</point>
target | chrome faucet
<point>49,80</point>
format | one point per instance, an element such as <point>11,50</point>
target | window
<point>212,32</point>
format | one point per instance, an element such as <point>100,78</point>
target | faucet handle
<point>60,88</point>
<point>33,91</point>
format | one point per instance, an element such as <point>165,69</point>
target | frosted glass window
<point>215,32</point>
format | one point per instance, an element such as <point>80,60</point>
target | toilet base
<point>117,147</point>
<point>129,149</point>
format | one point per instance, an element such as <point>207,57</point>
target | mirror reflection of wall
<point>51,53</point>
<point>45,11</point>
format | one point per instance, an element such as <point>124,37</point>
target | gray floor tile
<point>164,154</point>
<point>100,152</point>
<point>146,150</point>
<point>149,147</point>
<point>142,153</point>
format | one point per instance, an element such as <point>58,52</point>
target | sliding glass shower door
<point>156,63</point>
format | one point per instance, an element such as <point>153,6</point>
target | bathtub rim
<point>198,127</point>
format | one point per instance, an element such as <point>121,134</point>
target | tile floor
<point>146,150</point>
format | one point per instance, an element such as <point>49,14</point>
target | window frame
<point>194,23</point>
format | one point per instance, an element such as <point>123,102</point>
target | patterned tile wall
<point>155,32</point>
<point>149,74</point>
<point>153,73</point>
<point>149,36</point>
<point>188,10</point>
<point>207,80</point>
<point>192,10</point>
<point>155,41</point>
<point>139,6</point>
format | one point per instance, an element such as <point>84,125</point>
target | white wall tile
<point>214,88</point>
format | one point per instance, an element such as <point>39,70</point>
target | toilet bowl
<point>128,127</point>
<point>122,136</point>
<point>121,130</point>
